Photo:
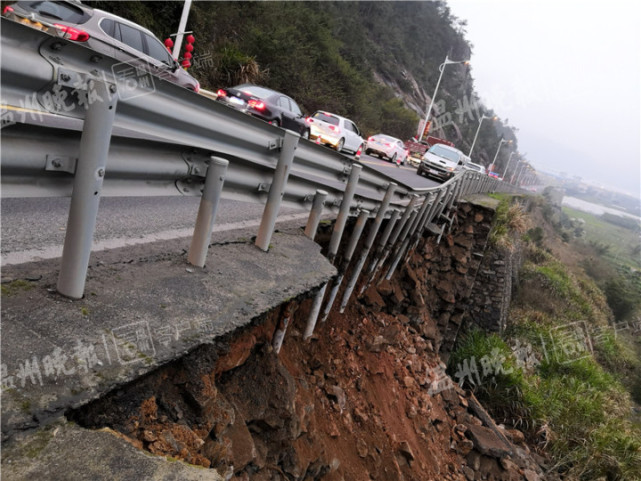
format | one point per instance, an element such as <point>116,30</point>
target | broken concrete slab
<point>64,451</point>
<point>136,315</point>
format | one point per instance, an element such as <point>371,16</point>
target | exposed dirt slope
<point>365,399</point>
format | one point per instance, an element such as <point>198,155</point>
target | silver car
<point>103,32</point>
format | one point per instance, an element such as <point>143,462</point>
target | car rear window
<point>330,119</point>
<point>255,91</point>
<point>63,11</point>
<point>385,138</point>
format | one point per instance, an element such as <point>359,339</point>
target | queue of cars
<point>134,45</point>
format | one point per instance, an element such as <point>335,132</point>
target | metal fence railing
<point>72,126</point>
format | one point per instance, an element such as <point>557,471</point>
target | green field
<point>622,242</point>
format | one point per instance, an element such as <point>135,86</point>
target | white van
<point>442,161</point>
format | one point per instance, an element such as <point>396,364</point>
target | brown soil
<point>360,401</point>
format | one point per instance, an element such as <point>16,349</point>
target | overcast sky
<point>567,74</point>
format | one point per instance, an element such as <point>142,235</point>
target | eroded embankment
<point>365,398</point>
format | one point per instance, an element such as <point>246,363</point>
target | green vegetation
<point>13,287</point>
<point>508,221</point>
<point>619,243</point>
<point>561,372</point>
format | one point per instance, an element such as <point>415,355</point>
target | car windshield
<point>58,10</point>
<point>445,153</point>
<point>330,119</point>
<point>255,91</point>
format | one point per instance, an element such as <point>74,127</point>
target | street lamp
<point>524,168</point>
<point>503,141</point>
<point>477,132</point>
<point>441,69</point>
<point>508,165</point>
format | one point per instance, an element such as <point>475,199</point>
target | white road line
<point>53,252</point>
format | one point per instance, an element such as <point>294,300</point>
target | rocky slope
<point>366,398</point>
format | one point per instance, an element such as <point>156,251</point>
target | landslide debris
<point>367,398</point>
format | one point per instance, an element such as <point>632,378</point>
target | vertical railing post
<point>207,210</point>
<point>369,242</point>
<point>281,329</point>
<point>343,213</point>
<point>408,235</point>
<point>403,241</point>
<point>371,270</point>
<point>334,241</point>
<point>349,252</point>
<point>315,214</point>
<point>87,187</point>
<point>277,190</point>
<point>409,210</point>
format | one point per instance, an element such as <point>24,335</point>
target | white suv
<point>336,131</point>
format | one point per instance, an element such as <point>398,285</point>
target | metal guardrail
<point>73,126</point>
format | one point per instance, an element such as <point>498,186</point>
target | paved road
<point>34,228</point>
<point>405,174</point>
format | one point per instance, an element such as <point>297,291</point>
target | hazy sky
<point>567,74</point>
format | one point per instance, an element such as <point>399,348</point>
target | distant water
<point>595,209</point>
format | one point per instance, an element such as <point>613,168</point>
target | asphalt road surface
<point>34,228</point>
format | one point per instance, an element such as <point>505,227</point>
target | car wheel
<point>367,152</point>
<point>340,145</point>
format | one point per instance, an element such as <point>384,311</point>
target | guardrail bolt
<point>101,172</point>
<point>56,163</point>
<point>65,77</point>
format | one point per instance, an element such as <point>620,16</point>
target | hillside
<point>375,62</point>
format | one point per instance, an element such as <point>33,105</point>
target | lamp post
<point>523,170</point>
<point>441,69</point>
<point>508,165</point>
<point>181,29</point>
<point>483,117</point>
<point>503,141</point>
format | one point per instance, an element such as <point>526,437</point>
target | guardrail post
<point>400,228</point>
<point>407,237</point>
<point>351,247</point>
<point>87,185</point>
<point>403,243</point>
<point>281,329</point>
<point>379,250</point>
<point>369,242</point>
<point>315,214</point>
<point>337,234</point>
<point>277,190</point>
<point>207,211</point>
<point>343,213</point>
